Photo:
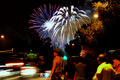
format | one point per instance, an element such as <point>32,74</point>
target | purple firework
<point>41,16</point>
<point>58,23</point>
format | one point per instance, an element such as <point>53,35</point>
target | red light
<point>28,68</point>
<point>14,64</point>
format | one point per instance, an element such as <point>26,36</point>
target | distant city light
<point>73,44</point>
<point>2,36</point>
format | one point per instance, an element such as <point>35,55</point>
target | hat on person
<point>57,50</point>
<point>101,57</point>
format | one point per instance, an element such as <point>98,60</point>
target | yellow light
<point>2,36</point>
<point>96,15</point>
<point>14,64</point>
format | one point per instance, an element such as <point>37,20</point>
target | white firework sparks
<point>63,25</point>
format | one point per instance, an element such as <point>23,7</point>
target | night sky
<point>14,16</point>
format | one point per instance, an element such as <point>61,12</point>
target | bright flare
<point>61,26</point>
<point>2,36</point>
<point>96,15</point>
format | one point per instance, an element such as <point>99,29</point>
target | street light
<point>2,36</point>
<point>73,44</point>
<point>96,15</point>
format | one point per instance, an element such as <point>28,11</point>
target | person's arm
<point>53,68</point>
<point>114,73</point>
<point>75,75</point>
<point>97,75</point>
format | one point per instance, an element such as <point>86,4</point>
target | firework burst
<point>41,16</point>
<point>59,23</point>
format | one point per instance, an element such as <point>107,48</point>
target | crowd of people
<point>102,68</point>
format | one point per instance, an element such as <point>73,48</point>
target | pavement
<point>19,77</point>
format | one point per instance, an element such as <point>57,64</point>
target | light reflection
<point>5,73</point>
<point>28,71</point>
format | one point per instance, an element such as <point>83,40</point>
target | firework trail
<point>41,19</point>
<point>59,23</point>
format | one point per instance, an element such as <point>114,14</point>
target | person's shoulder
<point>61,58</point>
<point>102,65</point>
<point>109,65</point>
<point>55,59</point>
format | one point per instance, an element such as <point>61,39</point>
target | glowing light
<point>96,15</point>
<point>28,70</point>
<point>14,64</point>
<point>48,71</point>
<point>61,26</point>
<point>73,44</point>
<point>64,57</point>
<point>4,73</point>
<point>46,75</point>
<point>32,55</point>
<point>2,36</point>
<point>2,66</point>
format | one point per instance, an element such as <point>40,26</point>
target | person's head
<point>101,58</point>
<point>57,52</point>
<point>70,60</point>
<point>81,59</point>
<point>109,60</point>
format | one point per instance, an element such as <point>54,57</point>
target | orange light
<point>96,15</point>
<point>73,44</point>
<point>2,36</point>
<point>14,64</point>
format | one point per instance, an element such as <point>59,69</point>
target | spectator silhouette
<point>69,69</point>
<point>57,67</point>
<point>80,69</point>
<point>91,67</point>
<point>105,70</point>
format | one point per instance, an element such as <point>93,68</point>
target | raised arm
<point>53,68</point>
